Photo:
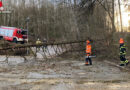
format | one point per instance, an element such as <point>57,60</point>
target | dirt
<point>63,75</point>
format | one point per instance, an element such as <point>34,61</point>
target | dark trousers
<point>89,60</point>
<point>122,58</point>
<point>44,47</point>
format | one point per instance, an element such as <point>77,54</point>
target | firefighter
<point>88,53</point>
<point>44,44</point>
<point>38,42</point>
<point>123,53</point>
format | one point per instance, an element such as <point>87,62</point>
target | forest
<point>67,20</point>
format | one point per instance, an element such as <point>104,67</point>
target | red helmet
<point>121,41</point>
<point>87,41</point>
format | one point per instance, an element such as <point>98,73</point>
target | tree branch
<point>100,2</point>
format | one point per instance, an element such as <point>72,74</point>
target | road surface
<point>62,74</point>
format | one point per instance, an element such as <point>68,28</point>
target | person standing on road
<point>88,53</point>
<point>123,53</point>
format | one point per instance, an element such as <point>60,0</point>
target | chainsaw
<point>90,56</point>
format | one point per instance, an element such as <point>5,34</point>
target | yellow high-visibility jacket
<point>38,42</point>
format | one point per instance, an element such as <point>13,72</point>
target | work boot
<point>121,64</point>
<point>127,63</point>
<point>86,64</point>
<point>90,62</point>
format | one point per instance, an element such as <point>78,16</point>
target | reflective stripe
<point>122,53</point>
<point>126,61</point>
<point>122,46</point>
<point>122,62</point>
